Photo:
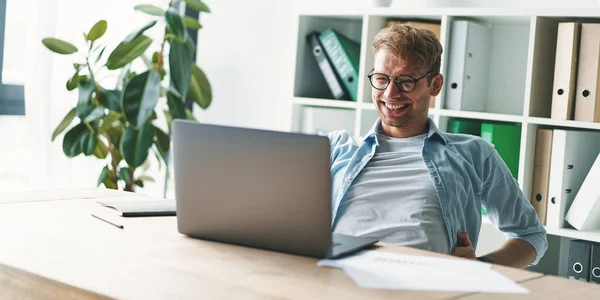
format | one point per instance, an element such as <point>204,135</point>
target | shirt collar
<point>434,132</point>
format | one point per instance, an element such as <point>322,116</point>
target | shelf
<point>325,103</point>
<point>563,123</point>
<point>481,116</point>
<point>588,235</point>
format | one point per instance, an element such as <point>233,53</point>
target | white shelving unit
<point>520,71</point>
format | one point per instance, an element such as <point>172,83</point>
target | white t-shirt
<point>393,199</point>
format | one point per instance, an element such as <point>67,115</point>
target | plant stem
<point>129,185</point>
<point>162,46</point>
<point>111,150</point>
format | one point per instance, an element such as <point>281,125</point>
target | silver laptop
<point>257,188</point>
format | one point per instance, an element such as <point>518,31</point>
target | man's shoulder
<point>468,143</point>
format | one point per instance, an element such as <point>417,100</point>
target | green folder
<point>507,139</point>
<point>464,126</point>
<point>344,53</point>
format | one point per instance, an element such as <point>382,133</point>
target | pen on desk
<point>107,221</point>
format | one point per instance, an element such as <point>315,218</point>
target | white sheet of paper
<point>385,270</point>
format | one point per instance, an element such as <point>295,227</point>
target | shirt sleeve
<point>508,208</point>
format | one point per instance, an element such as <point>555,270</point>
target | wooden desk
<point>56,250</point>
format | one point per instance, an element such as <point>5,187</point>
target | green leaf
<point>169,119</point>
<point>191,46</point>
<point>102,176</point>
<point>191,23</point>
<point>94,115</point>
<point>136,143</point>
<point>163,142</point>
<point>115,134</point>
<point>146,178</point>
<point>176,24</point>
<point>108,181</point>
<point>197,5</point>
<point>111,99</point>
<point>140,97</point>
<point>100,54</point>
<point>155,56</point>
<point>88,142</point>
<point>180,64</point>
<point>190,115</point>
<point>139,183</point>
<point>200,89</point>
<point>73,82</point>
<point>64,123</point>
<point>126,52</point>
<point>72,140</point>
<point>101,151</point>
<point>111,120</point>
<point>176,106</point>
<point>97,30</point>
<point>150,9</point>
<point>59,46</point>
<point>125,174</point>
<point>84,105</point>
<point>138,32</point>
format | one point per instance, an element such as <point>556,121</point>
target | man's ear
<point>436,84</point>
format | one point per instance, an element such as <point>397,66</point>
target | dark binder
<point>333,82</point>
<point>344,54</point>
<point>579,260</point>
<point>595,264</point>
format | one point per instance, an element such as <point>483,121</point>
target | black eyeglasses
<point>405,83</point>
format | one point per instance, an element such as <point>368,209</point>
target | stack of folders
<point>576,72</point>
<point>338,57</point>
<point>584,261</point>
<point>562,162</point>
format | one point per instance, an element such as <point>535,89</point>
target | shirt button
<point>437,180</point>
<point>349,178</point>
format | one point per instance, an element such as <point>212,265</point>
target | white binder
<point>584,213</point>
<point>573,153</point>
<point>467,76</point>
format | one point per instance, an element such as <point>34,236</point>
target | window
<point>12,95</point>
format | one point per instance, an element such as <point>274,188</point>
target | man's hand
<point>464,247</point>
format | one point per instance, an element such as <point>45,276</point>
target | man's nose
<point>392,91</point>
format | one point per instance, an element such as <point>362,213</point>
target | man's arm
<point>516,253</point>
<point>512,214</point>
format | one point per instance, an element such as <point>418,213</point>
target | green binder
<point>344,53</point>
<point>507,139</point>
<point>464,126</point>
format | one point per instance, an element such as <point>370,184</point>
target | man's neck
<point>405,132</point>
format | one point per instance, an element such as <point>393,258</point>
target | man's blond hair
<point>418,46</point>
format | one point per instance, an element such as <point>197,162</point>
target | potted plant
<point>118,124</point>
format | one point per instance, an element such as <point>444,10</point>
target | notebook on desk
<point>152,207</point>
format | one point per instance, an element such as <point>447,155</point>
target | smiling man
<point>409,184</point>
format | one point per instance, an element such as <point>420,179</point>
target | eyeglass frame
<point>416,80</point>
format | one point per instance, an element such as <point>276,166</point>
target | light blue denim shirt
<point>467,173</point>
